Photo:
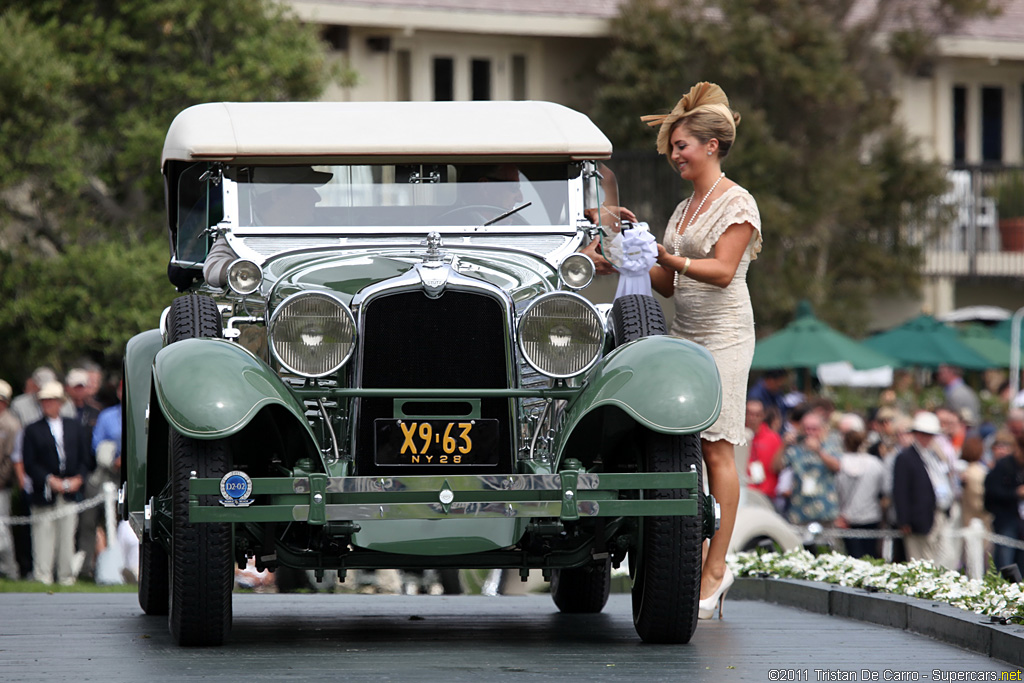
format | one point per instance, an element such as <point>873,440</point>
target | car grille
<point>458,340</point>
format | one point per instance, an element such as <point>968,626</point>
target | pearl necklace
<point>678,239</point>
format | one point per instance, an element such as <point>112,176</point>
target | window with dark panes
<point>444,79</point>
<point>336,36</point>
<point>403,69</point>
<point>959,123</point>
<point>480,73</point>
<point>992,124</point>
<point>518,77</point>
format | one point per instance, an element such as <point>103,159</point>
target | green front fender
<point>138,373</point>
<point>663,383</point>
<point>211,389</point>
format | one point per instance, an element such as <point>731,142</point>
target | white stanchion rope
<point>799,530</point>
<point>72,509</point>
<point>835,532</point>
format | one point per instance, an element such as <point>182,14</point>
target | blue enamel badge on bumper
<point>235,487</point>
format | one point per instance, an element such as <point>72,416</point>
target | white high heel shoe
<point>707,606</point>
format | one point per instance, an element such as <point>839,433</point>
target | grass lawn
<point>7,586</point>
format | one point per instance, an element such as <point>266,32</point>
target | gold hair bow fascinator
<point>703,97</point>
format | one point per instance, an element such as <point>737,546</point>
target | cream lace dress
<point>720,319</point>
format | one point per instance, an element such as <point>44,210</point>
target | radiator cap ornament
<point>433,271</point>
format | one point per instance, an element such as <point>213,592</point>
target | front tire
<point>193,316</point>
<point>201,567</point>
<point>154,581</point>
<point>666,560</point>
<point>635,316</point>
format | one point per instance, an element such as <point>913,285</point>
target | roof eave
<point>449,20</point>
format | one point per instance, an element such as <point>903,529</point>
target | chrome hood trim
<point>550,247</point>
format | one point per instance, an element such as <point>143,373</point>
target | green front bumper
<point>569,496</point>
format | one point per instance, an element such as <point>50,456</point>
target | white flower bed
<point>992,596</point>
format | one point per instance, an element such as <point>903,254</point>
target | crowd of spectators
<point>59,442</point>
<point>914,473</point>
<point>921,471</point>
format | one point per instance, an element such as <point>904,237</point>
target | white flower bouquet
<point>993,596</point>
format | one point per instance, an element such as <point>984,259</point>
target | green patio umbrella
<point>925,342</point>
<point>1001,330</point>
<point>984,341</point>
<point>807,342</point>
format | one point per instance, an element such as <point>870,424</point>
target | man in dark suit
<point>770,390</point>
<point>55,450</point>
<point>921,492</point>
<point>1004,498</point>
<point>87,411</point>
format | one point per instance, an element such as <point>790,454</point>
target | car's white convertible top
<point>276,132</point>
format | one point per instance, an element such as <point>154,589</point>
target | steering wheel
<point>479,214</point>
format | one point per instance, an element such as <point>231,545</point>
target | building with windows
<point>464,49</point>
<point>966,107</point>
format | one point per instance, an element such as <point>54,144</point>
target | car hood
<point>346,272</point>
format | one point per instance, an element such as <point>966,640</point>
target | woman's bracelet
<point>676,281</point>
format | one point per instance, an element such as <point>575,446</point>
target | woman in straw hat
<point>710,240</point>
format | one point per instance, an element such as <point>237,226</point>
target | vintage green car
<point>381,359</point>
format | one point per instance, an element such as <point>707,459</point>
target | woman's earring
<point>709,153</point>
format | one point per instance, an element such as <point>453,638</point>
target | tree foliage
<point>88,299</point>
<point>836,178</point>
<point>123,70</point>
<point>87,92</point>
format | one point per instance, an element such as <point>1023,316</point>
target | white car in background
<point>757,522</point>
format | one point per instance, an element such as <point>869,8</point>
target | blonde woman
<point>710,240</point>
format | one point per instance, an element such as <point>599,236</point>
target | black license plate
<point>410,441</point>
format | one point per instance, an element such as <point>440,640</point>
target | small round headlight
<point>312,334</point>
<point>561,335</point>
<point>576,270</point>
<point>244,277</point>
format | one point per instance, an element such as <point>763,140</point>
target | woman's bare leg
<point>724,483</point>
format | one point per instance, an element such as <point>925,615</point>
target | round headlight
<point>244,277</point>
<point>312,334</point>
<point>561,335</point>
<point>576,271</point>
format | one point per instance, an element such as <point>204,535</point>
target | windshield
<point>602,209</point>
<point>404,195</point>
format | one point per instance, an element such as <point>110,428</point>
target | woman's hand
<point>662,253</point>
<point>602,265</point>
<point>625,213</point>
<point>610,215</point>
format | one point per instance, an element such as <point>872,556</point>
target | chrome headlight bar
<point>312,334</point>
<point>561,334</point>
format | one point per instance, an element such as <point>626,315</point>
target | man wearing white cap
<point>27,409</point>
<point>9,428</point>
<point>921,492</point>
<point>79,389</point>
<point>26,406</point>
<point>56,453</point>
